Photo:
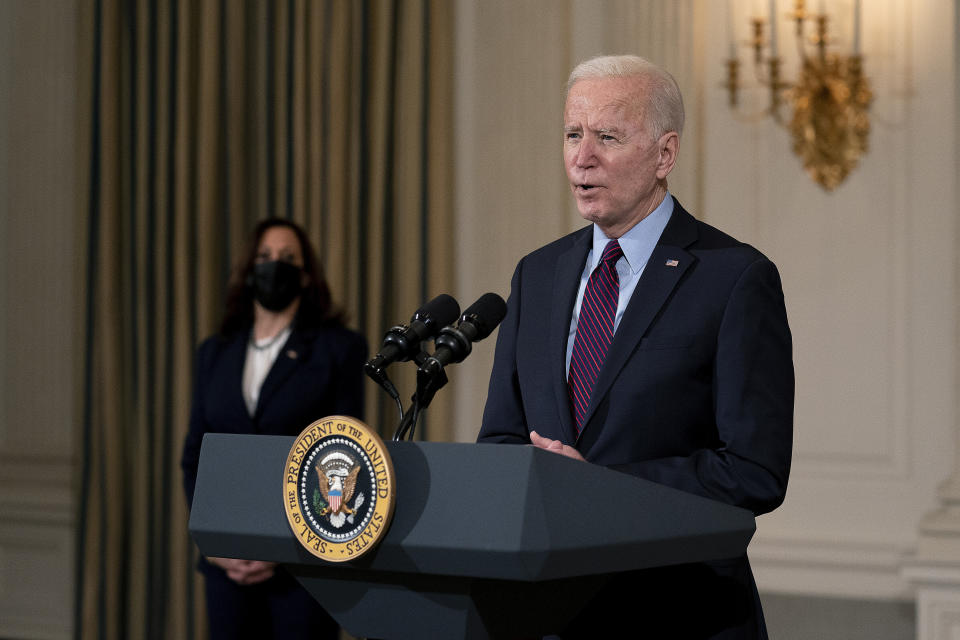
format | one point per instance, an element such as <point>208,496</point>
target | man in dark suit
<point>665,354</point>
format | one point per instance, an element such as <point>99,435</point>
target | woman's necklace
<point>272,341</point>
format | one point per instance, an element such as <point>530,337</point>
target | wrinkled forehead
<point>606,98</point>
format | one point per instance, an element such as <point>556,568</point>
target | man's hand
<point>245,572</point>
<point>554,445</point>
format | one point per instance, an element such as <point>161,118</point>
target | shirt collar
<point>638,242</point>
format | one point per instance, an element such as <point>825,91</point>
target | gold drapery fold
<point>205,117</point>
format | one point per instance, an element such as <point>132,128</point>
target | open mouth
<point>586,188</point>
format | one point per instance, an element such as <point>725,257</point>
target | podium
<point>487,540</point>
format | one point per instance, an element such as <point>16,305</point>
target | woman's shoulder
<point>336,337</point>
<point>214,345</point>
<point>334,331</point>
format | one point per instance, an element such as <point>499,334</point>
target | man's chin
<point>590,214</point>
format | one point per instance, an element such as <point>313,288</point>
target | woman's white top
<point>261,354</point>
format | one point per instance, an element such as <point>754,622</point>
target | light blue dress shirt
<point>637,245</point>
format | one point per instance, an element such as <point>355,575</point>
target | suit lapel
<point>295,351</point>
<point>666,266</point>
<point>235,357</point>
<point>565,284</point>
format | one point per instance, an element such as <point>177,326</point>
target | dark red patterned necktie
<point>594,330</point>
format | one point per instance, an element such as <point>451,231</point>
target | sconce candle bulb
<point>856,27</point>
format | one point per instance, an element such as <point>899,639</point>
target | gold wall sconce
<point>830,97</point>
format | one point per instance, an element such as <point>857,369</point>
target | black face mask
<point>276,284</point>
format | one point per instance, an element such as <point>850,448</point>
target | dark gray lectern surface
<point>486,540</point>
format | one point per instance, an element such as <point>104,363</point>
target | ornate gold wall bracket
<point>830,123</point>
<point>830,98</point>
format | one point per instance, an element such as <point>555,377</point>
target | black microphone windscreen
<point>485,314</point>
<point>442,310</point>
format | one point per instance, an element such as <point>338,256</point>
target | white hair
<point>664,104</point>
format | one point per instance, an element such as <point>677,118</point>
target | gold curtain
<point>205,116</point>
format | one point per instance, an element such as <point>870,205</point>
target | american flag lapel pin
<point>673,263</point>
<point>291,354</point>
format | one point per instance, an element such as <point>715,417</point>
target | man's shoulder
<point>714,243</point>
<point>710,237</point>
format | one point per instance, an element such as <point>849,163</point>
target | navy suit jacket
<point>696,393</point>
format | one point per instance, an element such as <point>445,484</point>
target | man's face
<point>613,163</point>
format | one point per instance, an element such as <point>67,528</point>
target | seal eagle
<point>338,480</point>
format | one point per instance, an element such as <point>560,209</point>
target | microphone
<point>476,323</point>
<point>402,342</point>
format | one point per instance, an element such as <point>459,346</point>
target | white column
<point>935,568</point>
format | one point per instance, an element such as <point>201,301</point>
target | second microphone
<point>477,322</point>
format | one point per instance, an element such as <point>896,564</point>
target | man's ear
<point>669,146</point>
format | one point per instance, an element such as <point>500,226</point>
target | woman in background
<point>282,360</point>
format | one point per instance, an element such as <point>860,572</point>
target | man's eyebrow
<point>600,129</point>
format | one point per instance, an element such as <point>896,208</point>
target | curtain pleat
<point>206,116</point>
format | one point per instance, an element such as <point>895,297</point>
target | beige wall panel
<point>38,239</point>
<point>511,196</point>
<point>39,281</point>
<point>35,580</point>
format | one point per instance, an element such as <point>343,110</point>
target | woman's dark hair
<point>316,306</point>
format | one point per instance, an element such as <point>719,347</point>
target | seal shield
<point>339,488</point>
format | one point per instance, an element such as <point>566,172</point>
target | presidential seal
<point>339,488</point>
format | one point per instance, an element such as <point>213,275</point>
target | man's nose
<point>586,153</point>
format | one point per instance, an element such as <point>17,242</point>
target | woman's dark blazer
<point>318,372</point>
